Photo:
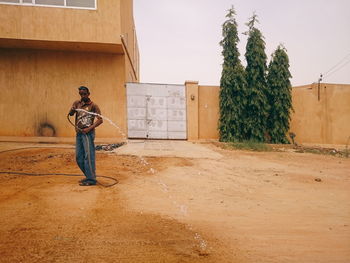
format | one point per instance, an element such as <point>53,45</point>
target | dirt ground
<point>240,207</point>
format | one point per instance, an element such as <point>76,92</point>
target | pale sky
<point>179,39</point>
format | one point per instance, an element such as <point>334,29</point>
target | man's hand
<point>87,130</point>
<point>93,126</point>
<point>72,111</point>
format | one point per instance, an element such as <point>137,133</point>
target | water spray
<point>164,187</point>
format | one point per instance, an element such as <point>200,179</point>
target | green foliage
<point>232,83</point>
<point>255,102</point>
<point>257,108</point>
<point>252,21</point>
<point>279,96</point>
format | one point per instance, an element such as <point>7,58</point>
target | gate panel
<point>157,129</point>
<point>156,111</point>
<point>136,109</point>
<point>177,113</point>
<point>137,129</point>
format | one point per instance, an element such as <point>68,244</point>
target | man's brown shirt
<point>82,119</point>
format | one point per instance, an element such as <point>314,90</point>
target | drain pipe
<point>128,55</point>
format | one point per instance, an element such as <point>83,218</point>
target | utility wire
<point>345,60</point>
<point>339,68</point>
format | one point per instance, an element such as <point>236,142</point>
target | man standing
<point>85,129</point>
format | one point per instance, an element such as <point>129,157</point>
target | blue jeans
<point>85,154</point>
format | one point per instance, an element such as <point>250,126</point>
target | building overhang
<point>115,48</point>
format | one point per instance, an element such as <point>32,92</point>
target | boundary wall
<point>321,113</point>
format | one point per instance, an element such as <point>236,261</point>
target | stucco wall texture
<point>321,120</point>
<point>63,24</point>
<point>208,112</point>
<point>39,87</point>
<point>324,121</point>
<point>46,53</point>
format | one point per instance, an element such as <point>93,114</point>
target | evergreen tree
<point>279,96</point>
<point>256,111</point>
<point>232,83</point>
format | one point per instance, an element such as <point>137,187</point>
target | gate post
<point>192,102</point>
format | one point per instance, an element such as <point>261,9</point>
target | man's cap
<point>84,88</point>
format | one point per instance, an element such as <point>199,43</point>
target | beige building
<point>48,48</point>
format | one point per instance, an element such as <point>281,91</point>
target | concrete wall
<point>321,120</point>
<point>47,52</point>
<point>325,121</point>
<point>208,112</point>
<point>192,101</point>
<point>202,111</point>
<point>63,24</point>
<point>38,87</point>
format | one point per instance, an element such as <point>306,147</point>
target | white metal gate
<point>156,111</point>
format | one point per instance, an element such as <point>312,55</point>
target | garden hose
<point>62,174</point>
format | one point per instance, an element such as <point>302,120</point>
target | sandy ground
<point>204,204</point>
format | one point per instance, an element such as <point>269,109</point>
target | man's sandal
<point>87,183</point>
